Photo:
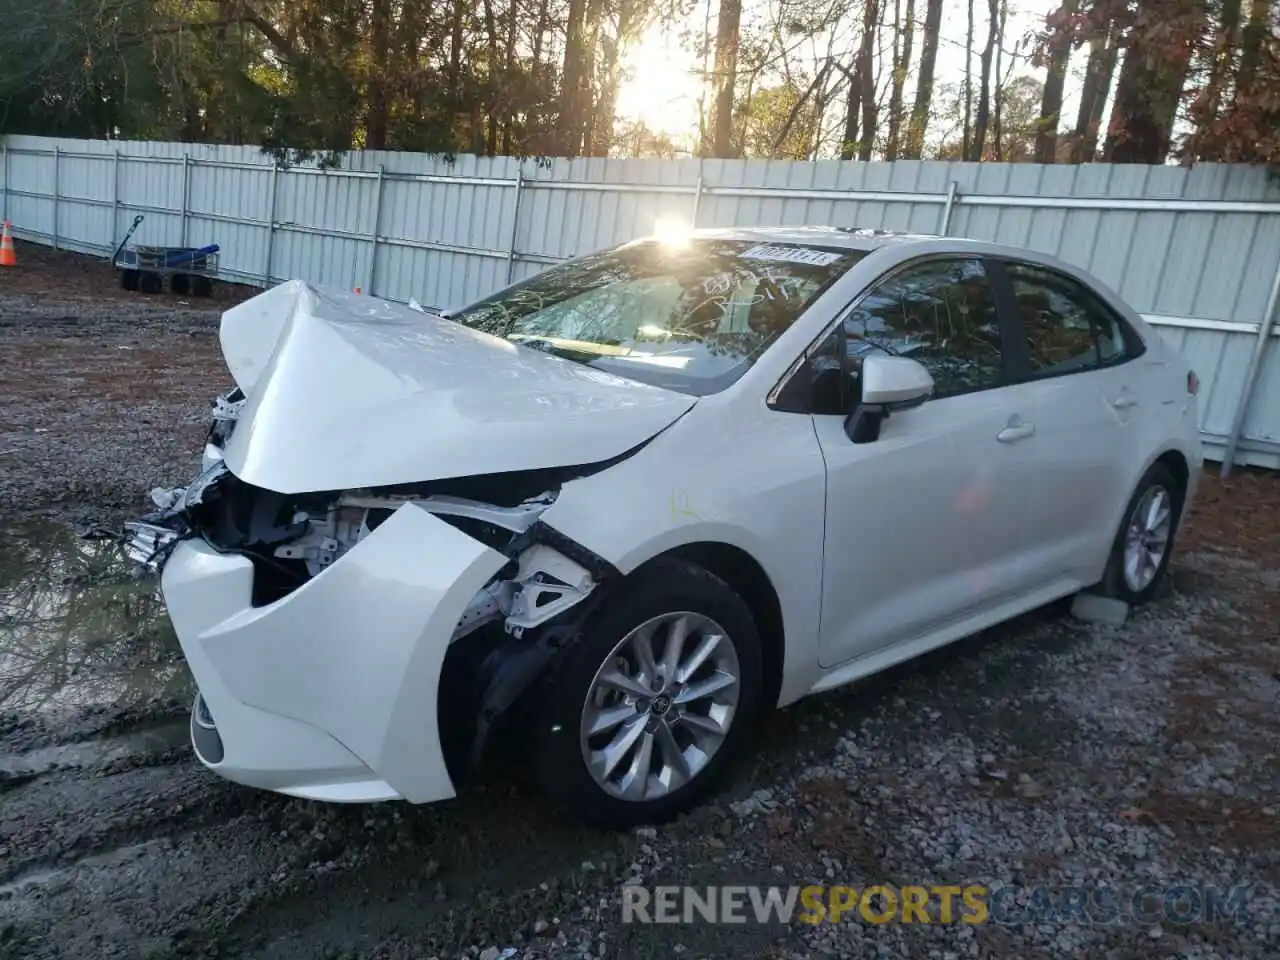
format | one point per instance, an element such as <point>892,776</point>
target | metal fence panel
<point>1195,250</point>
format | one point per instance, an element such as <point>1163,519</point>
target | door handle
<point>1124,402</point>
<point>1016,432</point>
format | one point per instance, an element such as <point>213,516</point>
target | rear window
<point>690,318</point>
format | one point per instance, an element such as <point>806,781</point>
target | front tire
<point>646,711</point>
<point>1144,543</point>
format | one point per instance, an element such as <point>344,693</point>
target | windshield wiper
<point>546,346</point>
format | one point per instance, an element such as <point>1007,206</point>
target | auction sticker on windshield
<point>769,251</point>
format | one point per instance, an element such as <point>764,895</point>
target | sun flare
<point>660,84</point>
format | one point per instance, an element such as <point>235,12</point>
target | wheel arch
<point>746,577</point>
<point>1174,458</point>
<point>1176,461</point>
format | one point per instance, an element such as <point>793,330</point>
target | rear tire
<point>180,284</point>
<point>129,279</point>
<point>1144,543</point>
<point>149,283</point>
<point>669,727</point>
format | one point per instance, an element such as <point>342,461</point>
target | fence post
<point>515,222</point>
<point>944,227</point>
<point>1251,373</point>
<point>6,179</point>
<point>271,225</point>
<point>115,195</point>
<point>372,276</point>
<point>186,192</point>
<point>57,152</point>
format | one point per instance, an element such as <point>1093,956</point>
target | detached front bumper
<point>329,693</point>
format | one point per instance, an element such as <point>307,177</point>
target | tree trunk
<point>191,126</point>
<point>589,107</point>
<point>602,125</point>
<point>997,119</point>
<point>494,72</point>
<point>375,134</point>
<point>983,118</point>
<point>901,63</point>
<point>866,79</point>
<point>569,134</point>
<point>852,112</point>
<point>537,118</point>
<point>509,71</point>
<point>1209,103</point>
<point>1060,42</point>
<point>1255,35</point>
<point>968,84</point>
<point>924,85</point>
<point>1093,95</point>
<point>1151,82</point>
<point>455,53</point>
<point>727,36</point>
<point>611,72</point>
<point>540,31</point>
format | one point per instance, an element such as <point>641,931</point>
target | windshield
<point>691,318</point>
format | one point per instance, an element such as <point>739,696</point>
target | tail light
<point>1193,383</point>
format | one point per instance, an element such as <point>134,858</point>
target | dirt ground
<point>85,360</point>
<point>1045,754</point>
<point>48,275</point>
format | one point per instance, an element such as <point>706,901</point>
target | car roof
<point>898,244</point>
<point>871,239</point>
<point>852,238</point>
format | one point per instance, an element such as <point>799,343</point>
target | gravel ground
<point>1045,753</point>
<point>102,391</point>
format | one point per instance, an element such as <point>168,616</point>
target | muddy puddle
<point>78,630</point>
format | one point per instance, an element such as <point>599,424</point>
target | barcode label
<point>769,251</point>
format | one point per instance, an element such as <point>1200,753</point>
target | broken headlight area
<point>150,539</point>
<point>293,538</point>
<point>538,583</point>
<point>225,410</point>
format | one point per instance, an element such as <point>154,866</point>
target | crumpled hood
<point>345,391</point>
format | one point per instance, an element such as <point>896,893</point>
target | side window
<point>942,313</point>
<point>1067,329</point>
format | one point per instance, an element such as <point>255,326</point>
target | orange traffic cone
<point>8,256</point>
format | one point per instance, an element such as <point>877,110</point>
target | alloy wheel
<point>1147,537</point>
<point>660,706</point>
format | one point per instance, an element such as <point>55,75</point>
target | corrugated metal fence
<point>1197,251</point>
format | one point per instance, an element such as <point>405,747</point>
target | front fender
<point>760,488</point>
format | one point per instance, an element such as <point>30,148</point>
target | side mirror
<point>888,384</point>
<point>895,382</point>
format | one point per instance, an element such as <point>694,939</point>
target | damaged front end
<point>505,636</point>
<point>148,540</point>
<point>360,577</point>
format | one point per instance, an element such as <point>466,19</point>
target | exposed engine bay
<point>292,538</point>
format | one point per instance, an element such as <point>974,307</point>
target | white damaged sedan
<point>623,508</point>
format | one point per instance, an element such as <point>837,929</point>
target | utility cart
<point>191,270</point>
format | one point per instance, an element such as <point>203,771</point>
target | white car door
<point>918,521</point>
<point>1084,398</point>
